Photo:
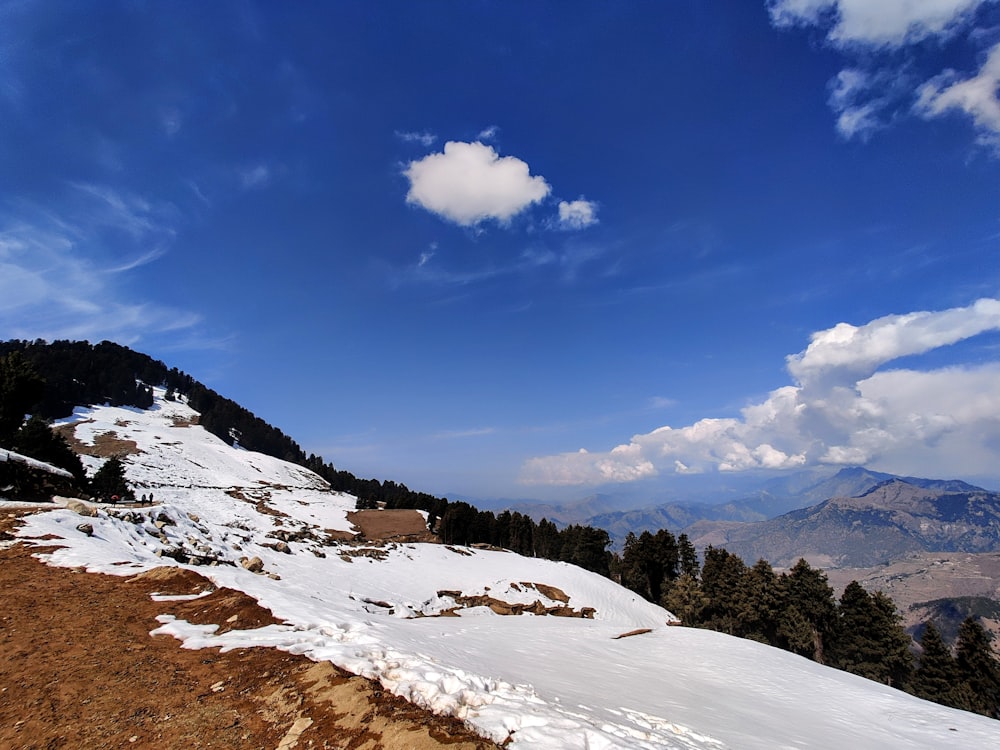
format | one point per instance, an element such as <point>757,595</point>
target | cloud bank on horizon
<point>882,80</point>
<point>842,410</point>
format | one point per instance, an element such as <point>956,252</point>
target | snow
<point>546,682</point>
<point>6,455</point>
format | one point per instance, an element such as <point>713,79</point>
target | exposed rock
<point>253,564</point>
<point>85,528</point>
<point>550,592</point>
<point>80,507</point>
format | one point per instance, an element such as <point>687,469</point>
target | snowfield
<point>542,681</point>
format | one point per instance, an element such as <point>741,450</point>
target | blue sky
<point>527,249</point>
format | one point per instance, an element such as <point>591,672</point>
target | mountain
<point>387,610</point>
<point>893,519</point>
<point>773,497</point>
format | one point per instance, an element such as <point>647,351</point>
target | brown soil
<point>78,669</point>
<point>392,525</point>
<point>105,445</point>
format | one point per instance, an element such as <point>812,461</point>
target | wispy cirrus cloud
<point>843,408</point>
<point>423,138</point>
<point>255,176</point>
<point>883,42</point>
<point>64,272</point>
<point>462,434</point>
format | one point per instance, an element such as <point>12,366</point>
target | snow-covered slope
<point>543,681</point>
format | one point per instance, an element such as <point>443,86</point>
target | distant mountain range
<point>770,499</point>
<point>891,520</point>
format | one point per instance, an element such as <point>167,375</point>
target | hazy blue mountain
<point>896,517</point>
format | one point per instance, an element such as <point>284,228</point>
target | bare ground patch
<point>105,445</point>
<point>392,525</point>
<point>78,668</point>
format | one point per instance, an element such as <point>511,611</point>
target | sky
<point>527,249</point>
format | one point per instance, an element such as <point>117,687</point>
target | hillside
<point>387,611</point>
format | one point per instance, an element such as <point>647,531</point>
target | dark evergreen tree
<point>37,439</point>
<point>937,677</point>
<point>762,600</point>
<point>722,584</point>
<point>586,547</point>
<point>546,540</point>
<point>869,639</point>
<point>109,481</point>
<point>21,388</point>
<point>688,557</point>
<point>686,600</point>
<point>644,565</point>
<point>978,668</point>
<point>809,612</point>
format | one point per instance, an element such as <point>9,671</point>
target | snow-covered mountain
<point>541,681</point>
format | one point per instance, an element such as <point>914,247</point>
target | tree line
<point>797,611</point>
<point>794,610</point>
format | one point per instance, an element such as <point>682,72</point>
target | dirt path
<point>78,669</point>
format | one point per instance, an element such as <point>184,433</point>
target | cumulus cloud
<point>577,214</point>
<point>882,37</point>
<point>469,183</point>
<point>843,409</point>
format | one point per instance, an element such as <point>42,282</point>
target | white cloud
<point>577,214</point>
<point>469,183</point>
<point>876,22</point>
<point>845,352</point>
<point>976,96</point>
<point>843,409</point>
<point>60,280</point>
<point>424,139</point>
<point>488,134</point>
<point>878,82</point>
<point>858,112</point>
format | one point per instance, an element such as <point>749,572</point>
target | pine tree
<point>810,611</point>
<point>937,677</point>
<point>869,640</point>
<point>722,583</point>
<point>895,642</point>
<point>686,600</point>
<point>37,439</point>
<point>978,667</point>
<point>20,389</point>
<point>109,481</point>
<point>688,557</point>
<point>762,598</point>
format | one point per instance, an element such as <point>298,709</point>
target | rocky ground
<point>78,669</point>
